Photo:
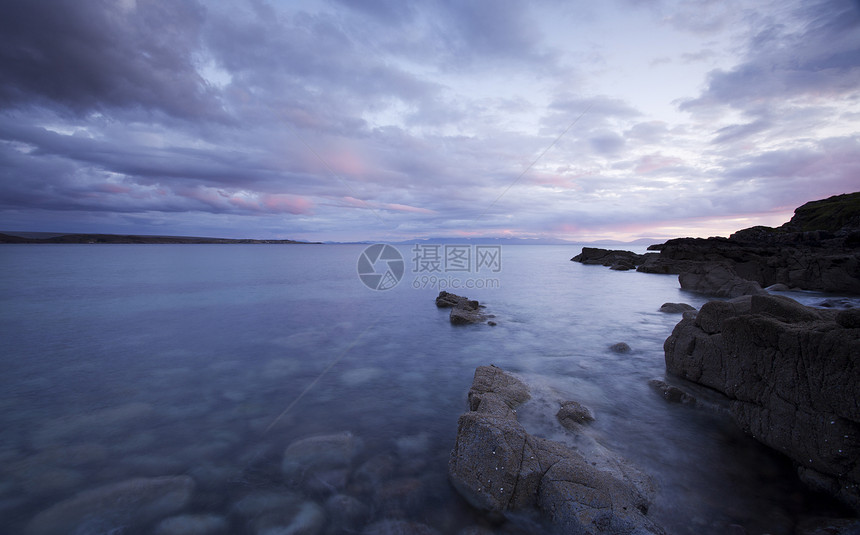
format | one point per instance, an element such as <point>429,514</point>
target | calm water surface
<point>125,361</point>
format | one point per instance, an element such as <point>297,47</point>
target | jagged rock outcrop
<point>617,260</point>
<point>463,310</point>
<point>497,466</point>
<point>792,374</point>
<point>818,249</point>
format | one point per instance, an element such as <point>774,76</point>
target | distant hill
<point>508,241</point>
<point>36,237</point>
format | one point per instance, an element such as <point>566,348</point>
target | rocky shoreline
<point>498,467</point>
<point>789,374</point>
<point>818,249</point>
<point>792,375</point>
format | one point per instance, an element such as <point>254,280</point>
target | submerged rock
<point>670,393</point>
<point>136,502</point>
<point>620,347</point>
<point>497,467</point>
<point>792,374</point>
<point>572,414</point>
<point>399,527</point>
<point>193,525</point>
<point>321,453</point>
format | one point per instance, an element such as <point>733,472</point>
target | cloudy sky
<point>389,119</point>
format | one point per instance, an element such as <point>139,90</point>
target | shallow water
<point>125,361</point>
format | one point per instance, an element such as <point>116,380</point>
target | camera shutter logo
<point>380,267</point>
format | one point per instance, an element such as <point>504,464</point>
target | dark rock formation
<point>676,308</point>
<point>792,374</point>
<point>818,249</point>
<point>463,310</point>
<point>617,260</point>
<point>718,280</point>
<point>497,466</point>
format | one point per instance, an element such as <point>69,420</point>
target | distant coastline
<point>60,237</point>
<point>37,237</point>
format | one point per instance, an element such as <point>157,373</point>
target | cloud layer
<point>386,120</point>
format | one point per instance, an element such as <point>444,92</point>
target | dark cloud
<point>607,143</point>
<point>817,57</point>
<point>92,55</point>
<point>739,132</point>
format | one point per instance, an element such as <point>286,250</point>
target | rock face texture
<point>463,310</point>
<point>792,374</point>
<point>818,249</point>
<point>497,466</point>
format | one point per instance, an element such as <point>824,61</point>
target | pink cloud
<point>406,208</point>
<point>279,202</point>
<point>656,161</point>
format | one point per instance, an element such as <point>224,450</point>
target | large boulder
<point>497,466</point>
<point>792,374</point>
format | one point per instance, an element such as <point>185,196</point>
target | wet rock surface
<point>463,310</point>
<point>818,249</point>
<point>792,374</point>
<point>498,467</point>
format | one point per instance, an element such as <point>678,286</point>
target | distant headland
<point>38,237</point>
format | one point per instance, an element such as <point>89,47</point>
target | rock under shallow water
<point>399,527</point>
<point>497,467</point>
<point>136,502</point>
<point>193,525</point>
<point>320,453</point>
<point>792,374</point>
<point>671,393</point>
<point>620,347</point>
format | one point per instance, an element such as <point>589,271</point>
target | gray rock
<point>463,310</point>
<point>778,287</point>
<point>676,308</point>
<point>572,414</point>
<point>135,502</point>
<point>792,374</point>
<point>497,466</point>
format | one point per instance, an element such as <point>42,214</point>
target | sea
<point>120,362</point>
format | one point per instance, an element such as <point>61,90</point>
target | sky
<point>388,120</point>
